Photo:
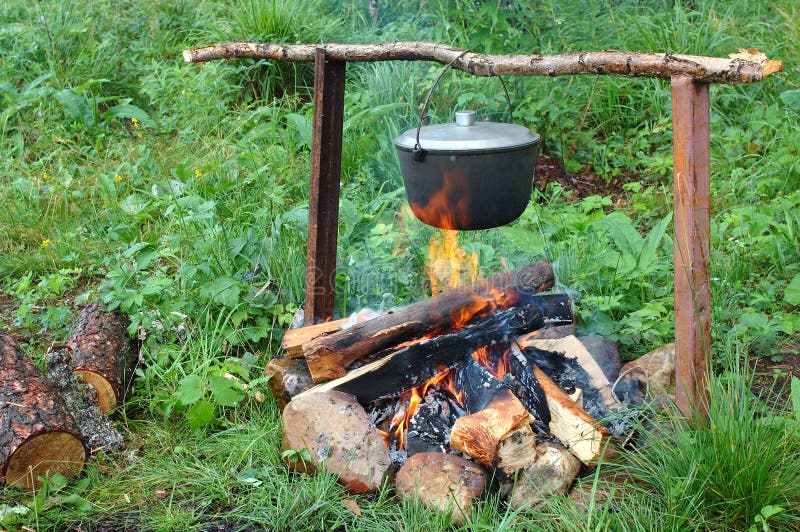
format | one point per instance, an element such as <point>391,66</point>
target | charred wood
<point>329,356</point>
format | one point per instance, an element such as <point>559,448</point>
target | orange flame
<point>449,265</point>
<point>443,381</point>
<point>496,364</point>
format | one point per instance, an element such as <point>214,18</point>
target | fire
<point>449,265</point>
<point>443,381</point>
<point>493,360</point>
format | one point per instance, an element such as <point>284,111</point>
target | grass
<point>192,218</point>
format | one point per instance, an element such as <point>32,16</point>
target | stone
<point>556,331</point>
<point>605,352</point>
<point>443,482</point>
<point>340,439</point>
<point>655,371</point>
<point>551,474</point>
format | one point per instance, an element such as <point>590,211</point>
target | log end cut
<point>58,452</point>
<point>106,396</point>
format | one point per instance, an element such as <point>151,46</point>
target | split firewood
<point>294,339</point>
<point>412,365</point>
<point>103,354</point>
<point>571,347</point>
<point>328,357</point>
<point>517,450</point>
<point>287,377</point>
<point>37,433</point>
<point>479,435</point>
<point>585,437</point>
<point>80,398</point>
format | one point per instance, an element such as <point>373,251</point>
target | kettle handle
<point>419,153</point>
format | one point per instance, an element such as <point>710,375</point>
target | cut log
<point>287,377</point>
<point>479,435</point>
<point>328,357</point>
<point>103,354</point>
<point>570,423</point>
<point>414,364</point>
<point>96,428</point>
<point>37,434</point>
<point>517,450</point>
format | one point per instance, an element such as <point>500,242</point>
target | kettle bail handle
<point>419,153</point>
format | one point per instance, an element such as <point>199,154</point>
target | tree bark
<point>744,67</point>
<point>103,354</point>
<point>328,357</point>
<point>37,434</point>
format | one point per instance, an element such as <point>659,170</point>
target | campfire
<point>451,391</point>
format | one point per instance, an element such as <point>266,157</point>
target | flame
<point>449,265</point>
<point>493,360</point>
<point>447,207</point>
<point>443,381</point>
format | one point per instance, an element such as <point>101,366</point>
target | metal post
<point>323,207</point>
<point>692,189</point>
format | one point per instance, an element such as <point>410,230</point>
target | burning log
<point>103,354</point>
<point>412,365</point>
<point>329,356</point>
<point>37,433</point>
<point>479,435</point>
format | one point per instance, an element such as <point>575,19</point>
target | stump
<point>37,434</point>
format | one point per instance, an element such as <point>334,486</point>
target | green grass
<point>193,220</point>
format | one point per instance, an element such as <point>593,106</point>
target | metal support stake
<point>323,207</point>
<point>692,189</point>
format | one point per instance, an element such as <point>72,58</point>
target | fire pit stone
<point>442,482</point>
<point>340,439</point>
<point>551,474</point>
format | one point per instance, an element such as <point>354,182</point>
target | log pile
<point>53,422</point>
<point>511,411</point>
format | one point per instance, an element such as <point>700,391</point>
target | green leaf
<point>77,106</point>
<point>200,414</point>
<point>792,293</point>
<point>190,390</point>
<point>653,241</point>
<point>796,397</point>
<point>126,110</point>
<point>224,392</point>
<point>623,233</point>
<point>792,99</point>
<point>223,290</point>
<point>134,204</point>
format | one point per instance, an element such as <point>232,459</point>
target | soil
<point>772,375</point>
<point>582,184</point>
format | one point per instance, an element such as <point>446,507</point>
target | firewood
<point>103,354</point>
<point>571,347</point>
<point>517,450</point>
<point>412,365</point>
<point>294,339</point>
<point>587,439</point>
<point>738,68</point>
<point>37,433</point>
<point>328,357</point>
<point>480,434</point>
<point>288,377</point>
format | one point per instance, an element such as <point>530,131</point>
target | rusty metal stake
<point>692,189</point>
<point>323,206</point>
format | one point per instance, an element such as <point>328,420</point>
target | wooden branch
<point>744,67</point>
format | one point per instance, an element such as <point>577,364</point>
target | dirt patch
<point>581,184</point>
<point>772,375</point>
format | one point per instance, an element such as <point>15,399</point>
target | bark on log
<point>103,354</point>
<point>329,356</point>
<point>37,433</point>
<point>746,66</point>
